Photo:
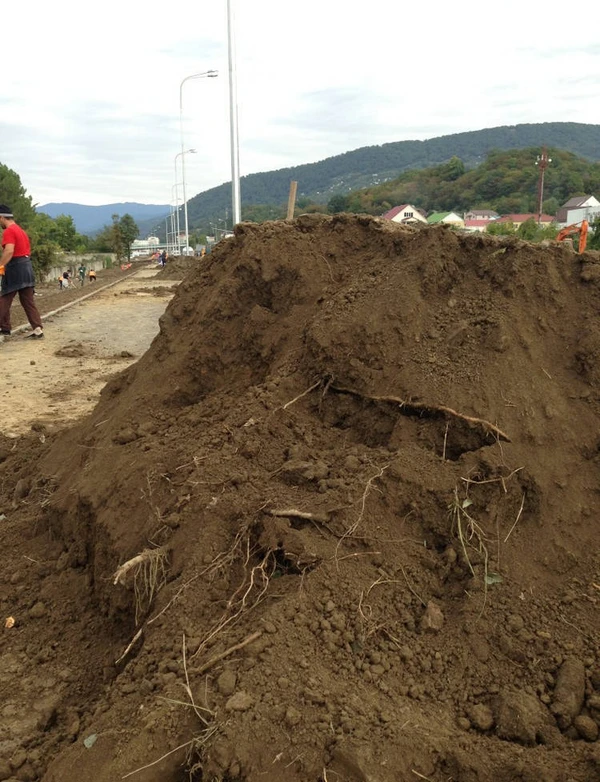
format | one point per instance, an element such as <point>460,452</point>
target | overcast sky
<point>90,92</point>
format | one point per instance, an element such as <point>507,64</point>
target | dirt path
<point>58,379</point>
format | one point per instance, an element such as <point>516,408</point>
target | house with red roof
<point>407,213</point>
<point>518,219</point>
<point>481,214</point>
<point>480,225</point>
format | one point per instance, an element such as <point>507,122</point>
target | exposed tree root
<point>149,574</point>
<point>418,407</point>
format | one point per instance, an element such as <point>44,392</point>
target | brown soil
<point>360,463</point>
<point>177,268</point>
<point>49,297</point>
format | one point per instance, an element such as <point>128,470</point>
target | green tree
<point>129,232</point>
<point>500,229</point>
<point>337,203</point>
<point>13,194</point>
<point>453,169</point>
<point>65,233</point>
<point>594,238</point>
<point>44,249</point>
<point>116,238</point>
<point>528,230</point>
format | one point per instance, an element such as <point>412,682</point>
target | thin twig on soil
<point>299,514</point>
<point>218,657</point>
<point>408,584</point>
<point>162,757</point>
<point>363,501</point>
<point>304,393</point>
<point>129,646</point>
<point>238,601</point>
<point>421,406</point>
<point>500,479</point>
<point>516,521</point>
<point>467,529</point>
<point>416,773</point>
<point>188,690</point>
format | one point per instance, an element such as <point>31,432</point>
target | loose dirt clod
<point>371,453</point>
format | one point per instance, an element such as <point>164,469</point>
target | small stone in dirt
<point>586,727</point>
<point>352,463</point>
<point>269,627</point>
<point>521,717</point>
<point>241,701</point>
<point>515,623</point>
<point>569,692</point>
<point>226,682</point>
<point>38,610</point>
<point>433,618</point>
<point>292,716</point>
<point>125,436</point>
<point>464,723</point>
<point>482,717</point>
<point>32,363</point>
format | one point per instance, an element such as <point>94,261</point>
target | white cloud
<point>90,106</point>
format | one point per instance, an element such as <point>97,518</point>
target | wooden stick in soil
<point>218,657</point>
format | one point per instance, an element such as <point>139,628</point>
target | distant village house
<point>407,213</point>
<point>481,214</point>
<point>446,218</point>
<point>577,209</point>
<point>518,219</point>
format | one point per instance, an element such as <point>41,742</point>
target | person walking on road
<point>17,275</point>
<point>81,272</point>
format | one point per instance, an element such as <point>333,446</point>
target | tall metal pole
<point>543,162</point>
<point>211,75</point>
<point>233,121</point>
<point>176,207</point>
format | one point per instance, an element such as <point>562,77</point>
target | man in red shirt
<point>16,275</point>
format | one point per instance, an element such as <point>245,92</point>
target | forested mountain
<point>507,182</point>
<point>373,165</point>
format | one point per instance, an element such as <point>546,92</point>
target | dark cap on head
<point>5,211</point>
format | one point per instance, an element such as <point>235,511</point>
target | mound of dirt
<point>177,268</point>
<point>338,523</point>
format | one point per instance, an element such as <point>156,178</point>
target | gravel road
<point>58,379</point>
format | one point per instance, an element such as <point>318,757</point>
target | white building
<point>577,209</point>
<point>407,213</point>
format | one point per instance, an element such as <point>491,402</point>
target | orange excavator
<point>576,228</point>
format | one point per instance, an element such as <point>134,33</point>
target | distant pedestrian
<point>92,275</point>
<point>163,258</point>
<point>81,272</point>
<point>17,275</point>
<point>60,282</point>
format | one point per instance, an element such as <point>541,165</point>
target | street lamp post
<point>205,74</point>
<point>182,155</point>
<point>175,214</point>
<point>233,118</point>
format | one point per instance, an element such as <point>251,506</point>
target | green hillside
<point>507,182</point>
<point>373,165</point>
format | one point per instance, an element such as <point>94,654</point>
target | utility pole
<point>542,161</point>
<point>233,118</point>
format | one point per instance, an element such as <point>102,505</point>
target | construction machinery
<point>576,228</point>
